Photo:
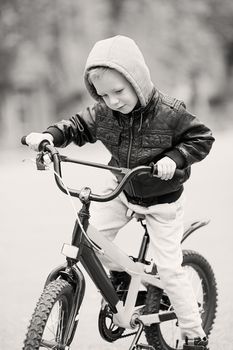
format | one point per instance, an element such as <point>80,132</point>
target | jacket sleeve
<point>79,129</point>
<point>193,140</point>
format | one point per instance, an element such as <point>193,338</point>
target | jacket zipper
<point>130,148</point>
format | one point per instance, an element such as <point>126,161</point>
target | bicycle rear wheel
<point>167,335</point>
<point>50,318</point>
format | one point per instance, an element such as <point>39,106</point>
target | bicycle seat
<point>138,216</point>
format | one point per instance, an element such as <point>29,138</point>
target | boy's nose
<point>114,101</point>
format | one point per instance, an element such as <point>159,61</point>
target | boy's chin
<point>125,110</point>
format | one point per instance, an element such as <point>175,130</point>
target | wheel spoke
<point>60,325</point>
<point>48,344</point>
<point>55,326</point>
<point>201,276</point>
<point>170,330</point>
<point>112,326</point>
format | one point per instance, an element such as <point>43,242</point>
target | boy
<point>140,125</point>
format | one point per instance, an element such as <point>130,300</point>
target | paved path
<point>36,219</point>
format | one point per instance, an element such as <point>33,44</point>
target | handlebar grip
<point>154,170</point>
<point>41,146</point>
<point>23,141</point>
<point>179,173</point>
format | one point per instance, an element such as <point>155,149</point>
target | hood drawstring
<point>140,125</point>
<point>147,122</point>
<point>119,120</point>
<point>145,109</point>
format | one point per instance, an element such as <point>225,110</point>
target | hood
<point>122,54</point>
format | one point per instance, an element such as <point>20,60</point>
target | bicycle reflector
<point>70,251</point>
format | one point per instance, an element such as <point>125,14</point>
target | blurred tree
<point>44,44</point>
<point>221,20</point>
<point>9,39</point>
<point>115,12</point>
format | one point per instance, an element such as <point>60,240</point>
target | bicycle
<point>126,309</point>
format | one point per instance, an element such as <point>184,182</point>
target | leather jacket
<point>162,128</point>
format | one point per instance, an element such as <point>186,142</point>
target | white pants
<point>165,227</point>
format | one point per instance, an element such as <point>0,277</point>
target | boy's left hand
<point>166,168</point>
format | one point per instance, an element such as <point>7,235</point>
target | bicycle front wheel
<point>167,335</point>
<point>50,318</point>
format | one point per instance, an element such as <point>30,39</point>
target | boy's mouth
<point>121,107</point>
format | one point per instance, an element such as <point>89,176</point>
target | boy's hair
<point>96,73</point>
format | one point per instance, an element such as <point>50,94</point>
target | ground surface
<point>36,219</point>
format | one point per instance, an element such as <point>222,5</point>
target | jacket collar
<point>142,111</point>
<point>153,100</point>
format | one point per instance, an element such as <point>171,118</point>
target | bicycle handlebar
<point>57,158</point>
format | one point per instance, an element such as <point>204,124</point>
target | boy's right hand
<point>34,139</point>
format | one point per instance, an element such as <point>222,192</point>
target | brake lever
<point>40,161</point>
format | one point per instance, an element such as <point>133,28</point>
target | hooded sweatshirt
<point>122,54</point>
<point>158,126</point>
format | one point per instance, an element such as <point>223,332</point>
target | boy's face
<point>116,91</point>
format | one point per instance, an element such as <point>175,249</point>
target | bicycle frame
<point>124,315</point>
<point>127,314</point>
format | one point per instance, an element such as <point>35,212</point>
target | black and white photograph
<point>116,139</point>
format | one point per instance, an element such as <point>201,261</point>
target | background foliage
<point>43,47</point>
<point>187,44</point>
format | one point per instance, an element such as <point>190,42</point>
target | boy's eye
<point>119,91</point>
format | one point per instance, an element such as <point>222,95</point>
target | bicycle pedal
<point>144,347</point>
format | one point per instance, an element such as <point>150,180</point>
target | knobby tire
<point>57,292</point>
<point>197,262</point>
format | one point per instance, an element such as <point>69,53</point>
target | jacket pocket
<point>157,139</point>
<point>153,144</point>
